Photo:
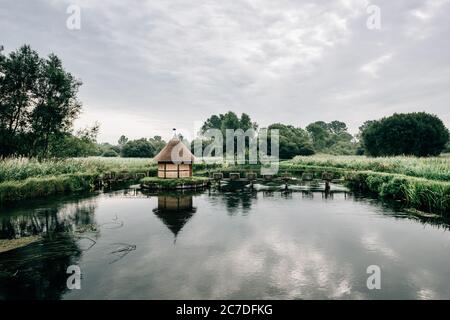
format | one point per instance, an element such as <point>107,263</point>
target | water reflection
<point>38,270</point>
<point>175,211</point>
<point>54,218</point>
<point>237,244</point>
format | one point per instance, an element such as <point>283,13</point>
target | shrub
<point>42,187</point>
<point>141,148</point>
<point>419,134</point>
<point>110,153</point>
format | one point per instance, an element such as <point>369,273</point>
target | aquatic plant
<point>422,194</point>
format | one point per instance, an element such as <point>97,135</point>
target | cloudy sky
<point>149,66</point>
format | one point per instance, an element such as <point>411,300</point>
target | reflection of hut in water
<point>175,211</point>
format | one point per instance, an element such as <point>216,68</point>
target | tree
<point>140,148</point>
<point>337,127</point>
<point>157,143</point>
<point>293,141</point>
<point>419,134</point>
<point>82,144</point>
<point>447,148</point>
<point>332,138</point>
<point>110,153</point>
<point>38,102</point>
<point>57,105</point>
<point>19,74</point>
<point>226,121</point>
<point>122,140</point>
<point>105,147</point>
<point>229,120</point>
<point>214,122</point>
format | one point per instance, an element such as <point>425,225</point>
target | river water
<point>223,245</point>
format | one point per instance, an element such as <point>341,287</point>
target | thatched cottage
<point>175,160</point>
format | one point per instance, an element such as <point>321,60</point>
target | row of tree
<point>140,148</point>
<point>38,104</point>
<point>318,137</point>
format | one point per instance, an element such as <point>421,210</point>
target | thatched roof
<point>175,151</point>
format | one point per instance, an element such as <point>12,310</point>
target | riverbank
<point>418,183</point>
<point>22,178</point>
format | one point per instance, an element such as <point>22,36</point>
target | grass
<point>22,178</point>
<point>45,186</point>
<point>11,244</point>
<point>418,193</point>
<point>435,168</point>
<point>420,183</point>
<point>15,169</point>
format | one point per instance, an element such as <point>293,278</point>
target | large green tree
<point>141,148</point>
<point>226,121</point>
<point>418,134</point>
<point>292,141</point>
<point>229,120</point>
<point>38,102</point>
<point>331,138</point>
<point>81,144</point>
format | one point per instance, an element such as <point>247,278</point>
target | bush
<point>292,141</point>
<point>419,134</point>
<point>42,187</point>
<point>141,148</point>
<point>421,194</point>
<point>110,153</point>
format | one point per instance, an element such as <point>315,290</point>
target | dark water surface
<point>222,245</point>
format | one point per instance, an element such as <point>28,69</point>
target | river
<point>222,245</point>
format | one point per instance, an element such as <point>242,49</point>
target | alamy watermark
<point>241,147</point>
<point>73,22</point>
<point>374,20</point>
<point>74,280</point>
<point>374,280</point>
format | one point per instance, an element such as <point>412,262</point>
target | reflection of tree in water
<point>52,219</point>
<point>175,210</point>
<point>238,201</point>
<point>38,270</point>
<point>399,211</point>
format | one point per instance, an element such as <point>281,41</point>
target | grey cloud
<point>144,62</point>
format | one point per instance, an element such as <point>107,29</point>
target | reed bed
<point>420,183</point>
<point>17,169</point>
<point>434,168</point>
<point>418,193</point>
